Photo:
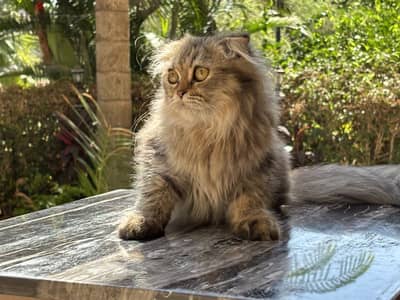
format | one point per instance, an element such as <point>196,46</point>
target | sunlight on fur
<point>210,152</point>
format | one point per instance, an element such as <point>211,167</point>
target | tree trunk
<point>42,33</point>
<point>113,75</point>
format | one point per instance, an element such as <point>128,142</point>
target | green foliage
<point>73,45</point>
<point>11,24</point>
<point>18,48</point>
<point>360,36</point>
<point>49,158</point>
<point>19,55</point>
<point>342,86</point>
<point>70,46</point>
<point>178,17</point>
<point>107,150</point>
<point>32,157</point>
<point>352,118</point>
<point>263,19</point>
<point>61,48</point>
<point>44,192</point>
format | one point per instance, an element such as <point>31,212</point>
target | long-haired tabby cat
<point>210,151</point>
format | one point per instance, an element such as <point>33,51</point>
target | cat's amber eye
<point>173,77</point>
<point>200,73</point>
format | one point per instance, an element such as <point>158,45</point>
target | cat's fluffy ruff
<point>218,159</point>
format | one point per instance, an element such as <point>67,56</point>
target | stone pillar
<point>113,77</point>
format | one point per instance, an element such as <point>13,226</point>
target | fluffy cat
<point>210,151</point>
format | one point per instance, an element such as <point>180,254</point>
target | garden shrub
<point>342,86</point>
<point>34,160</point>
<point>352,119</point>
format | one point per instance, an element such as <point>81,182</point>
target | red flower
<point>39,8</point>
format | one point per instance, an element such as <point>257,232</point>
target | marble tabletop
<point>73,252</point>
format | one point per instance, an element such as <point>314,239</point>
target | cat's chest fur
<point>210,171</point>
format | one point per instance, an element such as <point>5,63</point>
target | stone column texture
<point>113,78</point>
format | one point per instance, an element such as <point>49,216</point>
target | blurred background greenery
<point>340,85</point>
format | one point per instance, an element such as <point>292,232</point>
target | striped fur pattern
<point>214,154</point>
<point>210,151</point>
<point>335,184</point>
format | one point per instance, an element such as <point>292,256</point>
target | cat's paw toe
<point>261,227</point>
<point>136,227</point>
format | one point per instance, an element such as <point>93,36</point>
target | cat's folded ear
<point>236,45</point>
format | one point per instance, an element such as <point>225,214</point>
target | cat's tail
<point>342,184</point>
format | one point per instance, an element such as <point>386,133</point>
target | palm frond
<point>320,273</point>
<point>11,25</point>
<point>312,260</point>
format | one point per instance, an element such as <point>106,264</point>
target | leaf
<point>316,272</point>
<point>102,144</point>
<point>61,48</point>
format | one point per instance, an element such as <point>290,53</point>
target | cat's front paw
<point>261,226</point>
<point>137,227</point>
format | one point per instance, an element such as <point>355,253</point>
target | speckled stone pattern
<point>73,252</point>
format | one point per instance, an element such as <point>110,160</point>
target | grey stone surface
<point>73,252</point>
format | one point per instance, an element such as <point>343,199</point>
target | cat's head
<point>209,78</point>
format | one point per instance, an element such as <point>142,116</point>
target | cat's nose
<point>181,93</point>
